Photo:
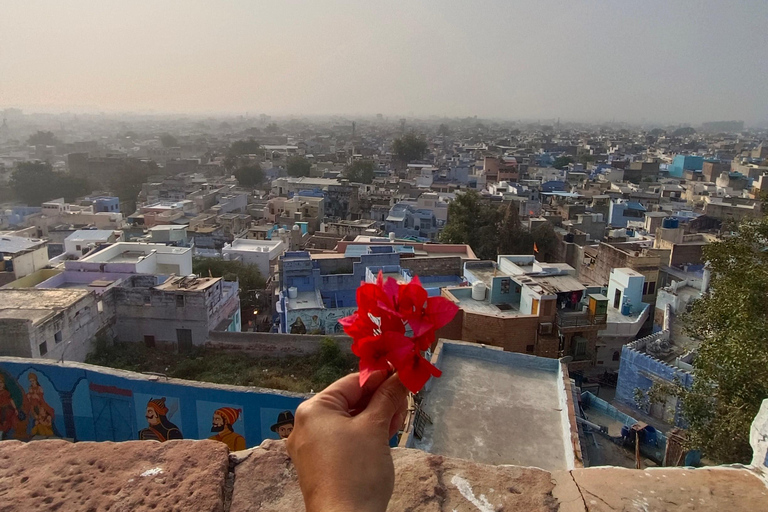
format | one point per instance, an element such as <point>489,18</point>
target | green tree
<point>731,368</point>
<point>546,241</point>
<point>513,239</point>
<point>243,147</point>
<point>409,147</point>
<point>126,183</point>
<point>272,128</point>
<point>443,130</point>
<point>169,141</point>
<point>41,138</point>
<point>249,176</point>
<point>562,162</point>
<point>360,171</point>
<point>36,182</point>
<point>474,222</point>
<point>685,131</point>
<point>298,166</point>
<point>251,282</point>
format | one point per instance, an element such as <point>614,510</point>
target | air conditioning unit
<point>545,328</point>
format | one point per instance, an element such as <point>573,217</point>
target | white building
<point>21,256</point>
<point>137,258</point>
<point>262,253</point>
<point>83,241</point>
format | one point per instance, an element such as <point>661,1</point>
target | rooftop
<point>91,234</point>
<point>498,407</point>
<point>188,284</point>
<point>17,244</point>
<point>36,304</point>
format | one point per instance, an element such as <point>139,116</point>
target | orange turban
<point>158,404</point>
<point>229,414</point>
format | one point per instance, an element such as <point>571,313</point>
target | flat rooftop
<point>497,407</point>
<point>36,304</point>
<point>188,284</point>
<point>304,300</point>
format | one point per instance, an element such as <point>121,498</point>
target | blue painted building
<point>82,402</point>
<point>104,203</point>
<point>622,211</point>
<point>405,220</point>
<point>683,163</point>
<point>642,365</point>
<point>316,293</point>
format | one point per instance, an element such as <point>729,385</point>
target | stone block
<point>116,477</point>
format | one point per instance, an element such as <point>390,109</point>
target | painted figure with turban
<point>223,419</point>
<point>159,426</point>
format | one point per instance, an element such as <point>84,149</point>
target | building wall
<point>91,403</point>
<point>448,266</point>
<point>25,264</point>
<point>514,334</point>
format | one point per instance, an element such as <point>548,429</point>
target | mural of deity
<point>39,413</point>
<point>314,325</point>
<point>223,419</point>
<point>159,426</point>
<point>9,412</point>
<point>298,327</point>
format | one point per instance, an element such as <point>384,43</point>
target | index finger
<point>345,395</point>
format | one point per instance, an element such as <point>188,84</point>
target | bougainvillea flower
<point>414,371</point>
<point>380,352</point>
<point>378,328</point>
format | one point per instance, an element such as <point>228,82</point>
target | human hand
<point>340,444</point>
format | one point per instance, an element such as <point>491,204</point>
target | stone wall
<point>272,345</point>
<point>448,266</point>
<point>513,334</point>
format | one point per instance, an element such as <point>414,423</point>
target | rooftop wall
<point>82,402</point>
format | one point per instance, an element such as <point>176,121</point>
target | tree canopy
<point>37,182</point>
<point>243,147</point>
<point>685,131</point>
<point>409,147</point>
<point>249,176</point>
<point>360,171</point>
<point>731,368</point>
<point>43,139</point>
<point>562,162</point>
<point>252,295</point>
<point>169,141</point>
<point>298,166</point>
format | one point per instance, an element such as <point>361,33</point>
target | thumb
<point>388,401</point>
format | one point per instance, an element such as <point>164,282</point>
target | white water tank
<point>293,292</point>
<point>391,236</point>
<point>478,291</point>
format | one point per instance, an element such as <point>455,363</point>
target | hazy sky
<point>658,60</point>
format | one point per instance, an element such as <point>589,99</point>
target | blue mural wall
<point>80,402</point>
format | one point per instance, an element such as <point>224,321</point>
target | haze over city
<point>668,62</point>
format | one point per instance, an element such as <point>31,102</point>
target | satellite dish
<point>566,359</point>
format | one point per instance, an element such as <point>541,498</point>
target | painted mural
<point>317,321</point>
<point>41,399</point>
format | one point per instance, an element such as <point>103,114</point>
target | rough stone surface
<point>266,481</point>
<point>115,477</point>
<point>671,489</point>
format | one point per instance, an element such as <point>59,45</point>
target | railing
<point>580,320</point>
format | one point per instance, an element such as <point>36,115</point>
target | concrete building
<point>169,234</point>
<point>682,163</point>
<point>137,258</point>
<point>405,220</point>
<point>82,241</point>
<point>599,261</point>
<point>261,253</point>
<point>21,256</point>
<point>49,323</point>
<point>180,311</point>
<point>621,212</point>
<point>496,407</point>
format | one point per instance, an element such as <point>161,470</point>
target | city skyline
<point>690,62</point>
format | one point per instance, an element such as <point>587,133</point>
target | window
<point>529,349</point>
<point>147,299</point>
<point>616,355</point>
<point>77,247</point>
<point>645,288</point>
<point>57,337</point>
<point>651,288</point>
<point>149,341</point>
<point>580,346</point>
<point>43,348</point>
<point>179,301</point>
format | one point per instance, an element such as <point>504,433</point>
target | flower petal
<point>440,311</point>
<point>414,371</point>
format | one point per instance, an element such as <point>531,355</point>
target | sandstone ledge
<point>202,476</point>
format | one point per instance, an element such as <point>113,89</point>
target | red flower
<point>378,329</point>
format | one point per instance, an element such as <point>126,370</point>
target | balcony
<point>579,320</point>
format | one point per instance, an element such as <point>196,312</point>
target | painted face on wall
<point>152,417</point>
<point>218,423</point>
<point>285,430</point>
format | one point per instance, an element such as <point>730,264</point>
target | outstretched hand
<point>340,444</point>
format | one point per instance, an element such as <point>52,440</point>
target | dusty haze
<point>680,61</point>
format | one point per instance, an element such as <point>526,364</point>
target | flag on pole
<point>535,249</point>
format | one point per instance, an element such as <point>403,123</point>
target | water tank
<point>293,292</point>
<point>670,223</point>
<point>391,236</point>
<point>626,309</point>
<point>478,291</point>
